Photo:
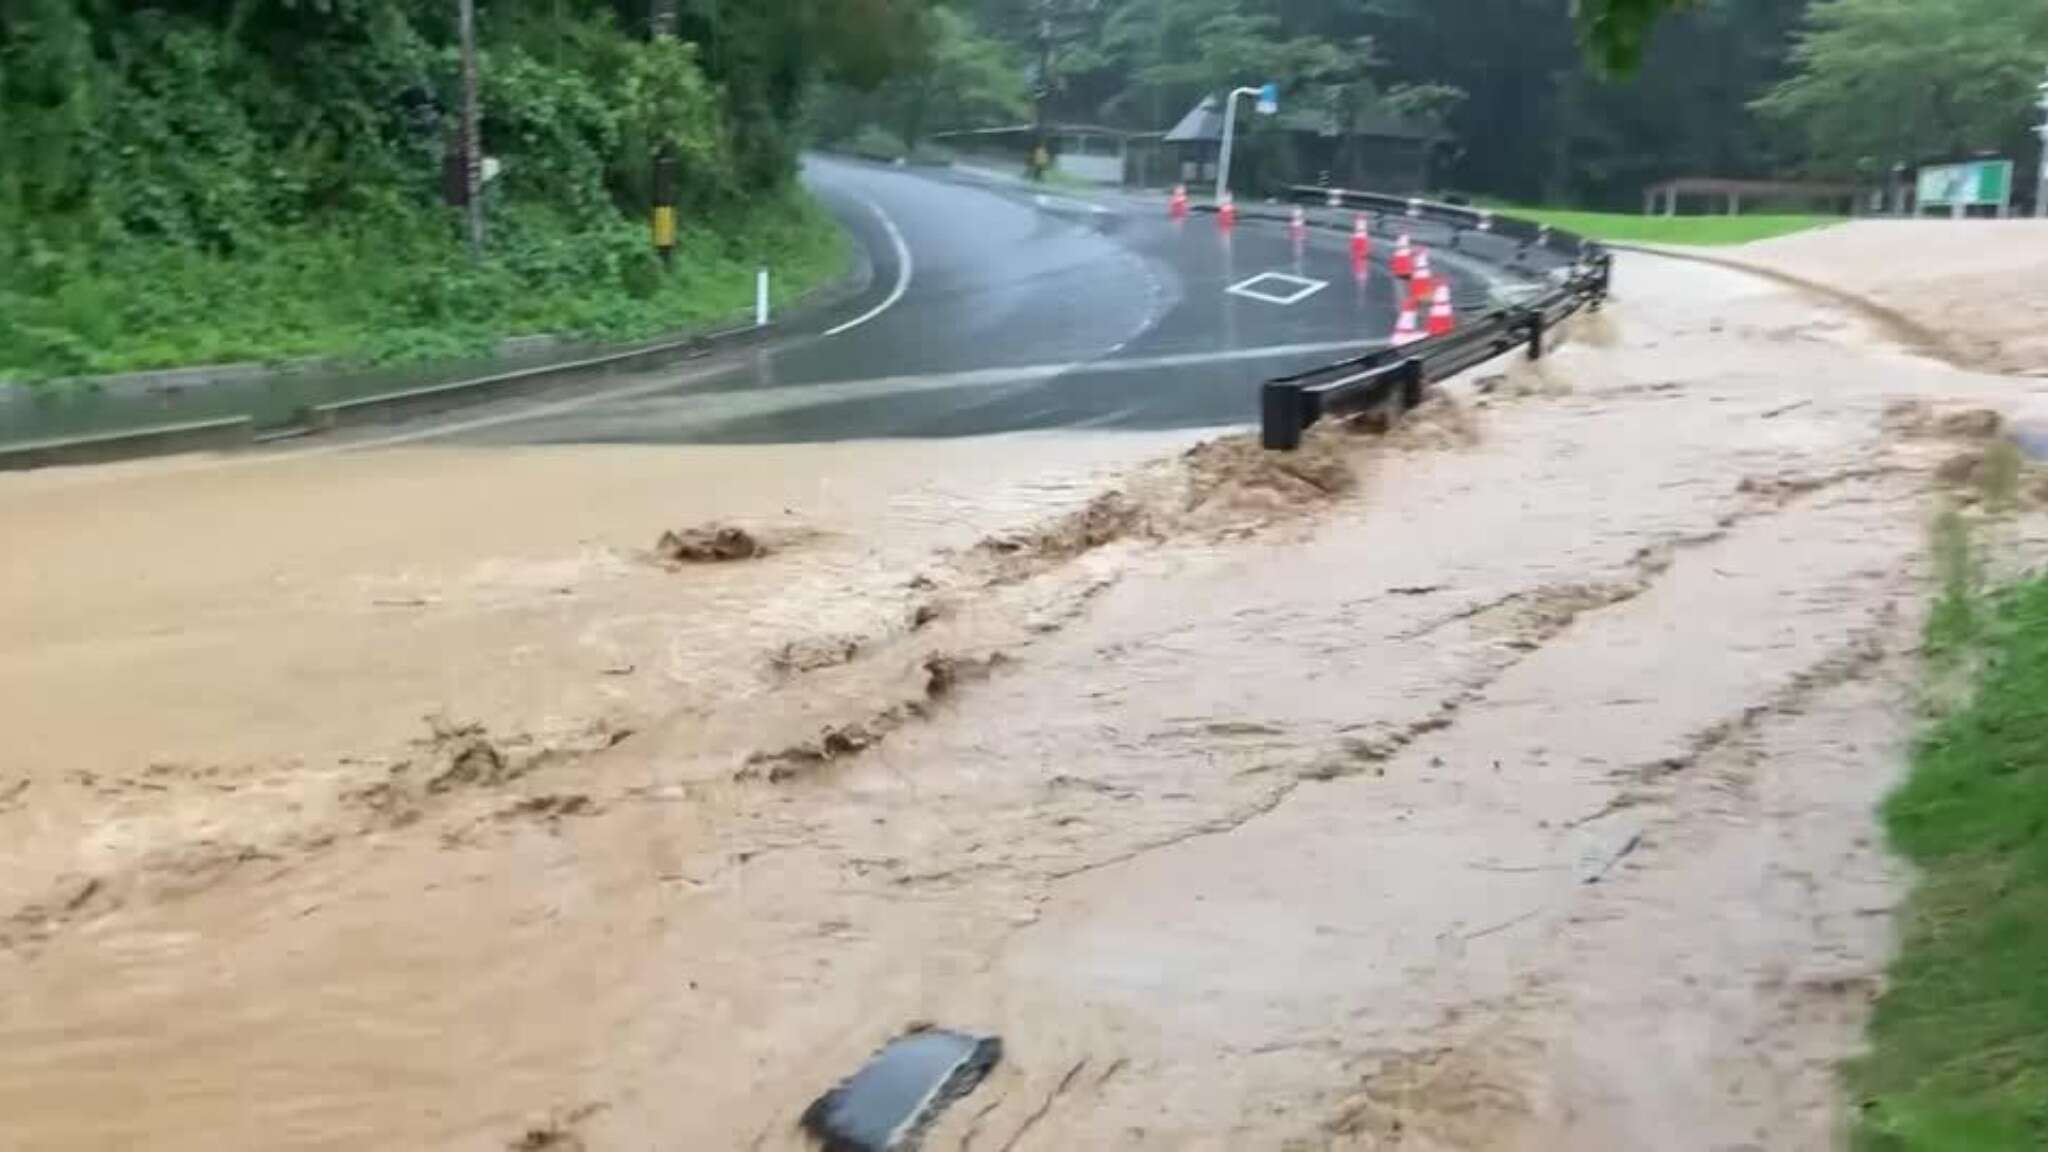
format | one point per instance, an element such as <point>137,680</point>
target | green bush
<point>875,142</point>
<point>197,182</point>
<point>401,287</point>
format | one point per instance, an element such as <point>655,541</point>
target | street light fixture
<point>1269,103</point>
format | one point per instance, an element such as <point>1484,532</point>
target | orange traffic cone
<point>1361,243</point>
<point>1441,318</point>
<point>1406,331</point>
<point>1403,263</point>
<point>1421,281</point>
<point>1177,202</point>
<point>1226,212</point>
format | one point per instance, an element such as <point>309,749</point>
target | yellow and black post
<point>664,212</point>
<point>661,25</point>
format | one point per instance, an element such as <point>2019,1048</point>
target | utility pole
<point>472,165</point>
<point>661,25</point>
<point>1041,155</point>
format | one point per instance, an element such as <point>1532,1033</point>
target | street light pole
<point>1265,95</point>
<point>2041,178</point>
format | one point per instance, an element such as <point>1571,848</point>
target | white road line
<point>720,406</point>
<point>664,381</point>
<point>704,409</point>
<point>902,274</point>
<point>1303,288</point>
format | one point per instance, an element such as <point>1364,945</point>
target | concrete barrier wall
<point>197,436</point>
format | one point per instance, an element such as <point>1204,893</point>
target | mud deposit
<point>709,545</point>
<point>1499,781</point>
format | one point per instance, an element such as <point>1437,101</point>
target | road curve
<point>998,307</point>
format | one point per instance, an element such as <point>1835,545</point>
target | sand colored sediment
<point>1503,781</point>
<point>1977,284</point>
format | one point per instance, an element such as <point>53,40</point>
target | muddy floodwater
<point>1501,782</point>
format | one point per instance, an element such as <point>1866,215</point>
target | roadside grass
<point>1959,1041</point>
<point>1700,230</point>
<point>400,288</point>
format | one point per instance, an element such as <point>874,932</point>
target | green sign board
<point>1972,184</point>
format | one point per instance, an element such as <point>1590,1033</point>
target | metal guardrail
<point>1288,405</point>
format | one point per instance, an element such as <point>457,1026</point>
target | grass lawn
<point>1959,1041</point>
<point>1670,229</point>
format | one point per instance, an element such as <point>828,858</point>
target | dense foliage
<point>1562,101</point>
<point>1886,81</point>
<point>187,179</point>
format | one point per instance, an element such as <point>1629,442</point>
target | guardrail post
<point>1411,383</point>
<point>1280,416</point>
<point>1536,334</point>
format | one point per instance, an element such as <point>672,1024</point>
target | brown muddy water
<point>1504,782</point>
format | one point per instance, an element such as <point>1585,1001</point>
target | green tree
<point>1537,123</point>
<point>1881,81</point>
<point>968,79</point>
<point>1617,31</point>
<point>219,179</point>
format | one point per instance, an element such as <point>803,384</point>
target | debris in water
<point>1228,468</point>
<point>1918,418</point>
<point>550,808</point>
<point>1105,519</point>
<point>710,544</point>
<point>474,760</point>
<point>890,1100</point>
<point>1970,424</point>
<point>1634,841</point>
<point>556,1133</point>
<point>945,671</point>
<point>811,653</point>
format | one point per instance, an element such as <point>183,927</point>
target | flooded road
<point>1504,782</point>
<point>989,307</point>
<point>1017,311</point>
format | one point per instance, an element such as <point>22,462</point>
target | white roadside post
<point>1269,103</point>
<point>761,298</point>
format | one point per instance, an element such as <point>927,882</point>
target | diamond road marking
<point>1302,285</point>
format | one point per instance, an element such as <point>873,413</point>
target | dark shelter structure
<point>1298,146</point>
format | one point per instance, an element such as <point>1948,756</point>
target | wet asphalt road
<point>1018,310</point>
